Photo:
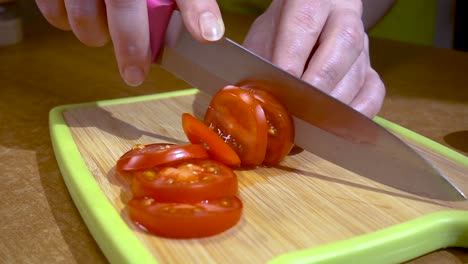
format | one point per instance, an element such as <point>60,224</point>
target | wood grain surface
<point>426,92</point>
<point>303,202</point>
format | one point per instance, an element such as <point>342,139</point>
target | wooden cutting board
<point>304,210</point>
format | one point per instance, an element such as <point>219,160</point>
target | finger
<point>349,86</point>
<point>128,28</point>
<point>203,19</point>
<point>54,12</point>
<point>340,44</point>
<point>299,28</point>
<point>88,21</point>
<point>261,34</point>
<point>370,98</point>
<point>352,82</point>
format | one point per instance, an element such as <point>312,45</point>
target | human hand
<point>125,22</point>
<point>324,43</point>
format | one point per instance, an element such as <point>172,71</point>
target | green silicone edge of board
<point>115,238</point>
<point>120,245</point>
<point>395,244</point>
<point>426,142</point>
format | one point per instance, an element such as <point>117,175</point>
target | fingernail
<point>212,28</point>
<point>133,75</point>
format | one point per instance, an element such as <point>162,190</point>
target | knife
<point>324,126</point>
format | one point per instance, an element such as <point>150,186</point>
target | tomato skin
<point>149,156</point>
<point>192,181</point>
<point>198,132</point>
<point>280,125</point>
<point>176,220</point>
<point>237,117</point>
<point>141,149</point>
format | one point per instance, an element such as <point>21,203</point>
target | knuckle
<point>352,36</point>
<point>295,54</point>
<point>306,20</point>
<point>325,78</point>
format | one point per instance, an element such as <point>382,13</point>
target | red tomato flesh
<point>149,156</point>
<point>280,126</point>
<point>185,182</point>
<point>180,220</point>
<point>238,118</point>
<point>198,132</point>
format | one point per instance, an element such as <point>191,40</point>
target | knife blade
<point>324,126</point>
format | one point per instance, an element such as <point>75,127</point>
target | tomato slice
<point>238,118</point>
<point>280,125</point>
<point>151,155</point>
<point>185,182</point>
<point>198,132</point>
<point>180,220</point>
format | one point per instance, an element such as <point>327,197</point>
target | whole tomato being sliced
<point>198,132</point>
<point>185,182</point>
<point>280,125</point>
<point>151,155</point>
<point>238,118</point>
<point>185,220</point>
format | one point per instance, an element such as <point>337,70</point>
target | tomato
<point>238,118</point>
<point>198,132</point>
<point>185,220</point>
<point>185,182</point>
<point>280,125</point>
<point>148,156</point>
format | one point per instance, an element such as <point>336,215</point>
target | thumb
<point>203,19</point>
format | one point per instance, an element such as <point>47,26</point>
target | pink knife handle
<point>159,13</point>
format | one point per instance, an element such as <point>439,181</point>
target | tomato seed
<point>213,169</point>
<point>206,146</point>
<point>272,131</point>
<point>149,175</point>
<point>147,201</point>
<point>207,178</point>
<point>169,171</point>
<point>198,209</point>
<point>225,202</point>
<point>184,211</point>
<point>164,209</point>
<point>170,181</point>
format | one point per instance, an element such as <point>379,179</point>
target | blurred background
<point>438,23</point>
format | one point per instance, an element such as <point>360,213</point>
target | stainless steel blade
<point>325,126</point>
